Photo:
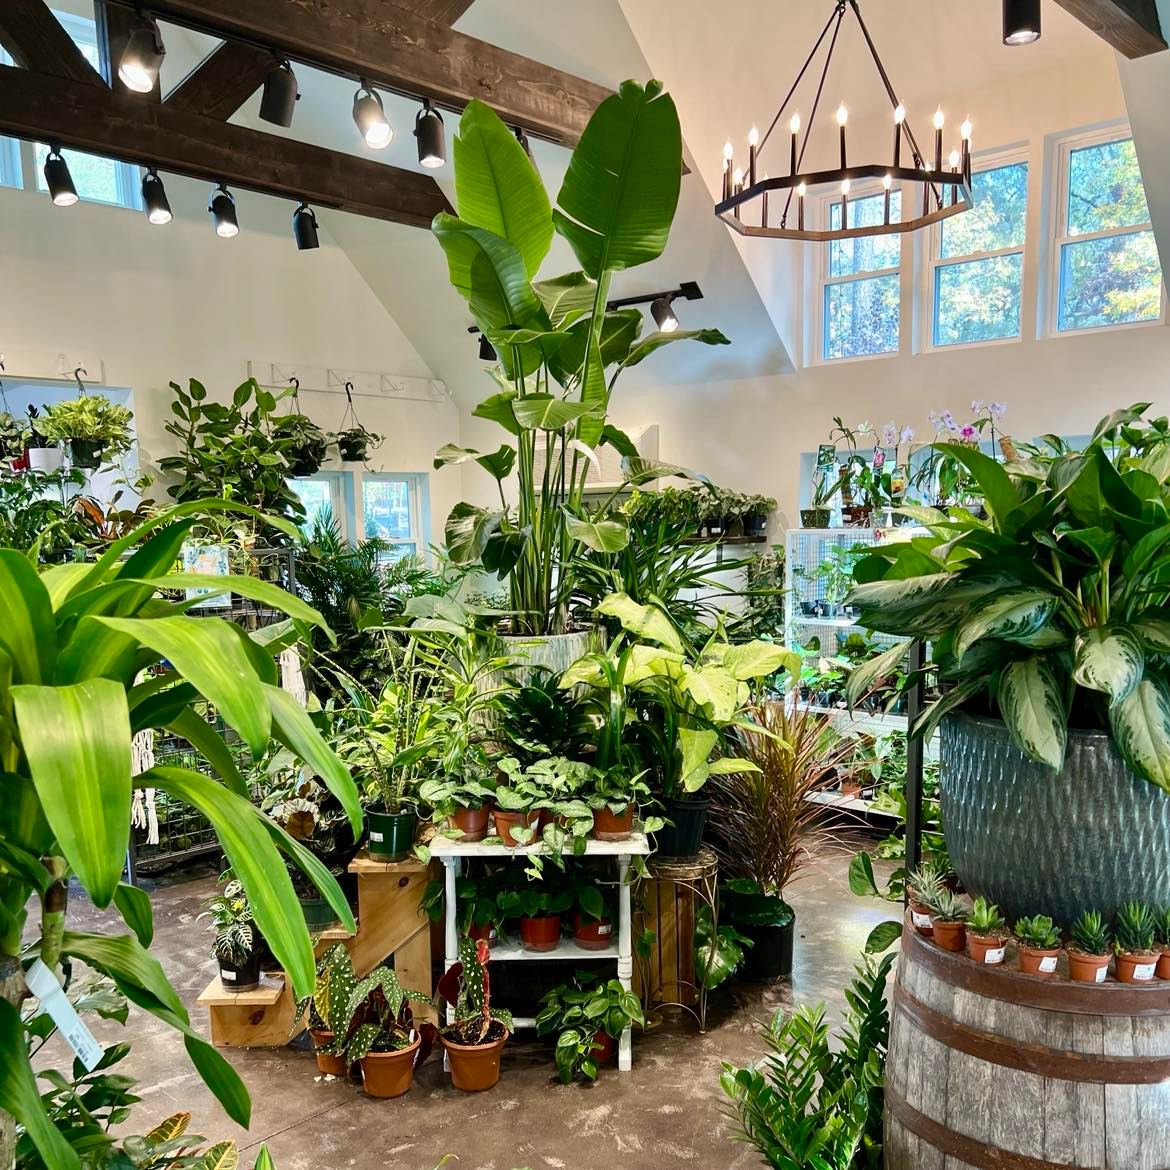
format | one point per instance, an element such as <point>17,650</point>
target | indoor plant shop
<point>545,684</point>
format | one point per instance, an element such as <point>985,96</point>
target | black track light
<point>663,314</point>
<point>154,198</point>
<point>432,145</point>
<point>223,213</point>
<point>304,224</point>
<point>280,95</point>
<point>142,58</point>
<point>522,138</point>
<point>370,117</point>
<point>487,351</point>
<point>1021,21</point>
<point>59,180</point>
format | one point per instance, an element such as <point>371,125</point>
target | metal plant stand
<point>699,875</point>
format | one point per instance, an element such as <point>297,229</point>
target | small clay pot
<point>606,1053</point>
<point>988,949</point>
<point>474,1067</point>
<point>389,1074</point>
<point>609,826</point>
<point>541,934</point>
<point>1163,971</point>
<point>951,936</point>
<point>1083,968</point>
<point>1133,968</point>
<point>472,821</point>
<point>507,821</point>
<point>591,933</point>
<point>328,1064</point>
<point>1037,961</point>
<point>920,918</point>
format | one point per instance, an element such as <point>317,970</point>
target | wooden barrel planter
<point>989,1069</point>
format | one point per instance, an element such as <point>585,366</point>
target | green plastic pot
<point>318,914</point>
<point>391,834</point>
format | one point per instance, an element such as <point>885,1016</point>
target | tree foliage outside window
<point>1111,276</point>
<point>862,297</point>
<point>979,274</point>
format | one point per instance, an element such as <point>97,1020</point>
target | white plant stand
<point>452,853</point>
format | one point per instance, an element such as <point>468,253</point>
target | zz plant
<point>1052,612</point>
<point>90,655</point>
<point>560,347</point>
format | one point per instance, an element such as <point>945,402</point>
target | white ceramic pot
<point>47,459</point>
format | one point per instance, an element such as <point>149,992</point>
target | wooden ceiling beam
<point>36,40</point>
<point>223,81</point>
<point>84,117</point>
<point>402,52</point>
<point>1130,26</point>
<point>445,12</point>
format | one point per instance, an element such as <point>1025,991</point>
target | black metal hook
<point>77,372</point>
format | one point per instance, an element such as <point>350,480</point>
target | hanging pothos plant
<point>560,348</point>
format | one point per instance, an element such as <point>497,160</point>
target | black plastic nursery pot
<point>755,526</point>
<point>770,956</point>
<point>814,517</point>
<point>318,914</point>
<point>352,450</point>
<point>240,976</point>
<point>391,834</point>
<point>86,453</point>
<point>682,835</point>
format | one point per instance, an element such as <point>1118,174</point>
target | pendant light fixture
<point>522,138</point>
<point>487,351</point>
<point>927,189</point>
<point>154,198</point>
<point>664,315</point>
<point>370,117</point>
<point>304,224</point>
<point>280,95</point>
<point>59,180</point>
<point>142,58</point>
<point>428,129</point>
<point>223,213</point>
<point>1021,22</point>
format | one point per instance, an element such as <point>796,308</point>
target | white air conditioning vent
<point>610,476</point>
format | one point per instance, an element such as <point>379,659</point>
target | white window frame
<point>338,501</point>
<point>415,490</point>
<point>821,278</point>
<point>1057,236</point>
<point>934,260</point>
<point>127,176</point>
<point>11,171</point>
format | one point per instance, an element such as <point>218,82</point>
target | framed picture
<point>207,560</point>
<point>879,458</point>
<point>827,455</point>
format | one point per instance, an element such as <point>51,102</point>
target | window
<point>321,498</point>
<point>390,511</point>
<point>1106,262</point>
<point>977,269</point>
<point>9,149</point>
<point>101,180</point>
<point>862,285</point>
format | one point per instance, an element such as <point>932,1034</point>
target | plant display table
<point>989,1067</point>
<point>452,855</point>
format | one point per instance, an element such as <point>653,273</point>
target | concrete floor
<point>664,1115</point>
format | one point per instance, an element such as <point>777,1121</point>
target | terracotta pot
<point>857,516</point>
<point>920,918</point>
<point>474,1067</point>
<point>1136,968</point>
<point>1034,961</point>
<point>507,821</point>
<point>541,934</point>
<point>608,826</point>
<point>486,932</point>
<point>1084,968</point>
<point>606,1053</point>
<point>951,936</point>
<point>591,933</point>
<point>473,822</point>
<point>986,949</point>
<point>389,1074</point>
<point>1163,971</point>
<point>333,1066</point>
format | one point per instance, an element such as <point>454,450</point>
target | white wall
<point>159,304</point>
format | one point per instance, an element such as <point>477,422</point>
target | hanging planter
<point>305,444</point>
<point>354,440</point>
<point>86,453</point>
<point>95,428</point>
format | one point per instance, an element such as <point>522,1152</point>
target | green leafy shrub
<point>577,1011</point>
<point>89,416</point>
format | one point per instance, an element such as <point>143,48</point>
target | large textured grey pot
<point>529,652</point>
<point>1088,837</point>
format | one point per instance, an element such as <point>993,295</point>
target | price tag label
<point>43,984</point>
<point>376,837</point>
<point>1048,964</point>
<point>605,928</point>
<point>1143,972</point>
<point>995,955</point>
<point>921,921</point>
<point>1099,974</point>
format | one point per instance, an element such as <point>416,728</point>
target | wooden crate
<point>261,1018</point>
<point>668,975</point>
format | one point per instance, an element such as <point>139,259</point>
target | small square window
<point>865,253</point>
<point>978,300</point>
<point>1112,280</point>
<point>861,317</point>
<point>1105,188</point>
<point>387,509</point>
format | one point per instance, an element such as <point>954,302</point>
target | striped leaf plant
<point>90,654</point>
<point>1053,612</point>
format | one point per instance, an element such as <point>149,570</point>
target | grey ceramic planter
<point>1089,837</point>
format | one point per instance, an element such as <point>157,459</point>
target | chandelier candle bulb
<point>728,156</point>
<point>844,205</point>
<point>965,134</point>
<point>737,186</point>
<point>887,183</point>
<point>899,118</point>
<point>842,118</point>
<point>800,190</point>
<point>764,205</point>
<point>939,122</point>
<point>753,146</point>
<point>794,131</point>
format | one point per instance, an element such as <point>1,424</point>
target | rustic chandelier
<point>940,191</point>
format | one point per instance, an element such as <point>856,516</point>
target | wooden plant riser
<point>668,975</point>
<point>990,1069</point>
<point>388,923</point>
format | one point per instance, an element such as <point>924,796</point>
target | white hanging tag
<point>291,678</point>
<point>44,985</point>
<point>151,818</point>
<point>142,752</point>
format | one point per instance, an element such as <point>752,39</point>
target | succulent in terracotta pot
<point>1134,934</point>
<point>987,933</point>
<point>1038,944</point>
<point>1090,949</point>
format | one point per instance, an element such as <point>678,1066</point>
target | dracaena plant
<point>560,347</point>
<point>89,656</point>
<point>1052,612</point>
